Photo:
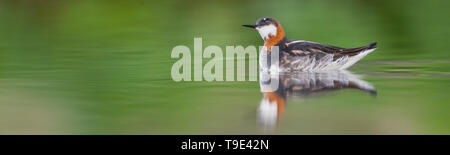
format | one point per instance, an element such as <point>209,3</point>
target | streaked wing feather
<point>302,48</point>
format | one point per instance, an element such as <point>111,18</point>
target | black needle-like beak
<point>250,26</point>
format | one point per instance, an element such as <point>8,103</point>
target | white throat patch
<point>264,31</point>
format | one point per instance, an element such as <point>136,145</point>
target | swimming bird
<point>301,55</point>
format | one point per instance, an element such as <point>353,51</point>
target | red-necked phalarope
<point>300,55</point>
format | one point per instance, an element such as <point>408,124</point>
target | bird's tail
<point>372,45</point>
<point>355,51</point>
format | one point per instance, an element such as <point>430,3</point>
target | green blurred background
<point>103,66</point>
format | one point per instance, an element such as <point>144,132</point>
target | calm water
<point>85,67</point>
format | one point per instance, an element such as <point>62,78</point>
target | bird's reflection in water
<point>278,88</point>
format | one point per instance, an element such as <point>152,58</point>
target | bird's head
<point>269,29</point>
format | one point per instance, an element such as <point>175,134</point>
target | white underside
<point>307,63</point>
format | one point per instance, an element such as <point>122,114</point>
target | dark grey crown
<point>266,21</point>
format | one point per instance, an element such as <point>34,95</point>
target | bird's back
<point>310,56</point>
